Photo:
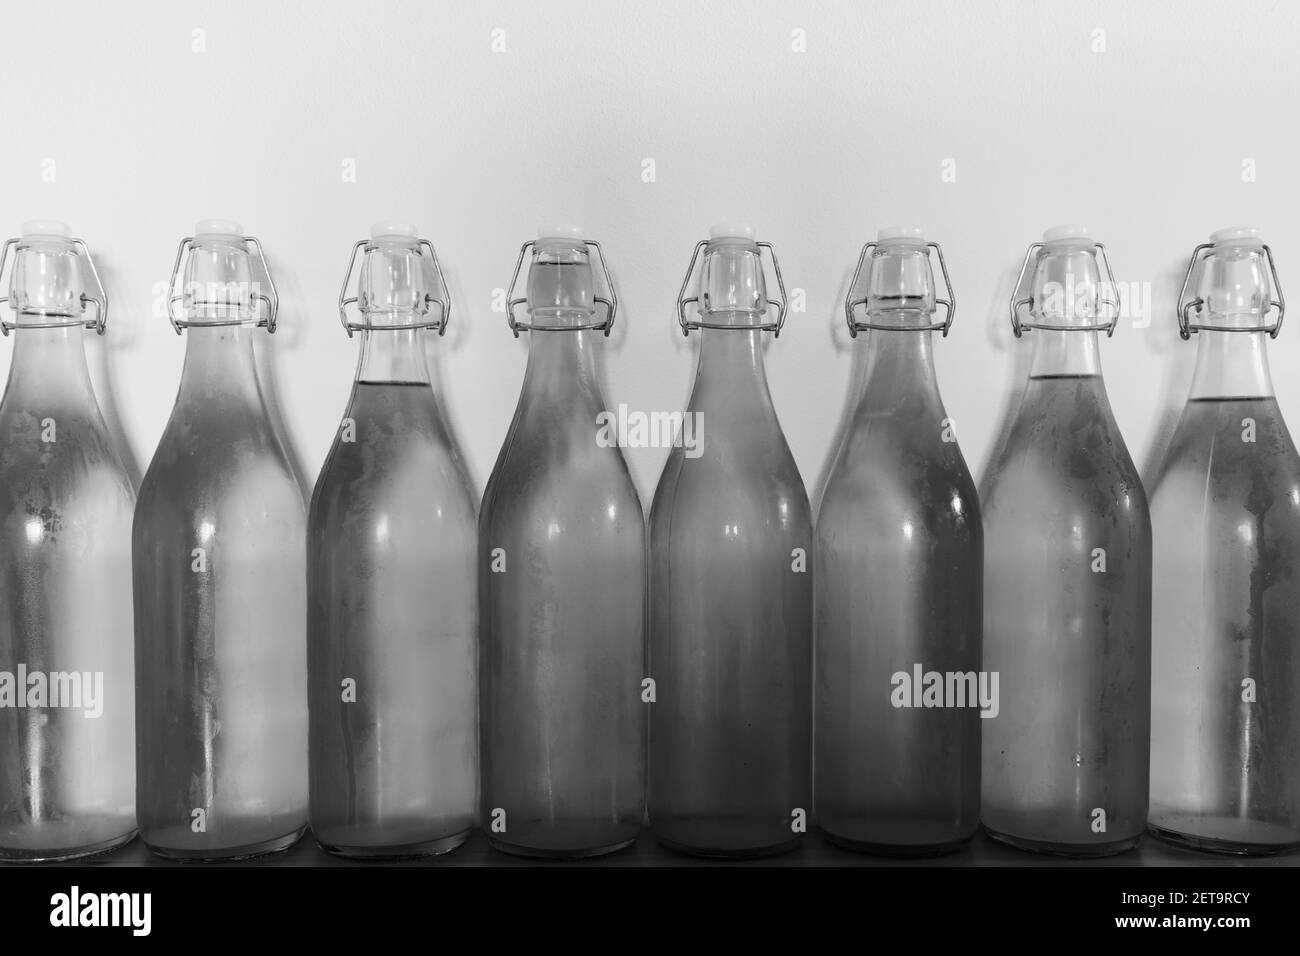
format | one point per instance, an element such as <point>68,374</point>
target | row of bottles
<point>393,665</point>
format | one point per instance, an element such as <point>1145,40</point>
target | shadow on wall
<point>1178,361</point>
<point>841,342</point>
<point>1002,338</point>
<point>437,348</point>
<point>268,351</point>
<point>121,335</point>
<point>617,336</point>
<point>651,460</point>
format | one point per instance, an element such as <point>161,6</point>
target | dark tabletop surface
<point>814,851</point>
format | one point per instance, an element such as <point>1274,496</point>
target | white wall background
<point>132,121</point>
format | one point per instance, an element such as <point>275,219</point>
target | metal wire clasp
<point>99,323</point>
<point>1185,325</point>
<point>271,303</point>
<point>1018,326</point>
<point>850,303</point>
<point>444,304</point>
<point>683,300</point>
<point>611,304</point>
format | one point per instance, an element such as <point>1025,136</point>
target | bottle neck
<point>220,367</point>
<point>1231,365</point>
<point>49,365</point>
<point>731,370</point>
<point>393,355</point>
<point>895,365</point>
<point>562,368</point>
<point>1064,353</point>
<point>731,376</point>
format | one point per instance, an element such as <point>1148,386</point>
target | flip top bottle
<point>391,589</point>
<point>67,713</point>
<point>562,576</point>
<point>1067,596</point>
<point>1225,755</point>
<point>899,562</point>
<point>730,583</point>
<point>219,568</point>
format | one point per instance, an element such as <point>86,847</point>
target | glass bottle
<point>1067,599</point>
<point>391,586</point>
<point>562,578</point>
<point>1225,760</point>
<point>898,572</point>
<point>730,586</point>
<point>67,715</point>
<point>219,558</point>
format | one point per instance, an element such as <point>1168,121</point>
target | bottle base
<point>559,853</point>
<point>1077,851</point>
<point>898,850</point>
<point>724,839</point>
<point>403,851</point>
<point>62,854</point>
<point>227,854</point>
<point>1225,835</point>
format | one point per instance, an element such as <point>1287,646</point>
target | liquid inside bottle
<point>1067,601</point>
<point>1225,772</point>
<point>391,591</point>
<point>562,573</point>
<point>219,560</point>
<point>731,592</point>
<point>899,560</point>
<point>67,717</point>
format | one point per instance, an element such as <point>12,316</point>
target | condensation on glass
<point>1067,599</point>
<point>898,568</point>
<point>391,587</point>
<point>730,586</point>
<point>562,579</point>
<point>219,560</point>
<point>67,717</point>
<point>1225,760</point>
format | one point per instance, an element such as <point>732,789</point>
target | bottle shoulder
<point>916,454</point>
<point>59,457</point>
<point>1231,433</point>
<point>217,438</point>
<point>1064,490</point>
<point>732,485</point>
<point>573,441</point>
<point>555,490</point>
<point>1031,474</point>
<point>187,479</point>
<point>413,479</point>
<point>890,487</point>
<point>1064,430</point>
<point>1234,455</point>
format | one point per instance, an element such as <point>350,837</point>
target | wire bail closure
<point>1185,325</point>
<point>444,304</point>
<point>271,302</point>
<point>683,300</point>
<point>610,304</point>
<point>1018,326</point>
<point>851,304</point>
<point>99,323</point>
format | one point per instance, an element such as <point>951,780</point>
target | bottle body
<point>219,568</point>
<point>1067,616</point>
<point>562,577</point>
<point>730,620</point>
<point>1225,771</point>
<point>67,718</point>
<point>898,577</point>
<point>392,644</point>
